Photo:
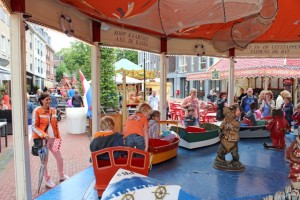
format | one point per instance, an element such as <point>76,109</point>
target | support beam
<point>19,108</point>
<point>231,78</point>
<point>295,92</point>
<point>95,87</point>
<point>163,79</point>
<point>96,31</point>
<point>163,86</point>
<point>124,100</point>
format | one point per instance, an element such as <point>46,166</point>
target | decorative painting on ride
<point>130,185</point>
<point>229,138</point>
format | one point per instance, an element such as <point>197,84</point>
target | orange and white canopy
<point>251,68</point>
<point>264,28</point>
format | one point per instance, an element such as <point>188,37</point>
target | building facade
<point>50,77</point>
<point>39,58</point>
<point>5,49</point>
<point>177,69</point>
<point>180,66</point>
<point>29,57</point>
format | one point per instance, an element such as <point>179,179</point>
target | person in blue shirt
<point>267,105</point>
<point>246,101</point>
<point>71,92</point>
<point>30,108</point>
<point>53,103</point>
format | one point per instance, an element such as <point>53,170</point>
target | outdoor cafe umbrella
<point>43,153</point>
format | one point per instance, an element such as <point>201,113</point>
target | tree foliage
<point>109,92</point>
<point>131,55</point>
<point>78,56</point>
<point>61,69</point>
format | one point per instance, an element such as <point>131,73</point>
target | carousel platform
<point>266,173</point>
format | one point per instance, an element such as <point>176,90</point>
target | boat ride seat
<point>194,129</point>
<point>106,164</point>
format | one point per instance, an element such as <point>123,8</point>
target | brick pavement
<point>75,151</point>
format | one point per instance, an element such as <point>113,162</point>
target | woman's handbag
<point>37,145</point>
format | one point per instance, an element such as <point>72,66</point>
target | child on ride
<point>136,128</point>
<point>189,119</point>
<point>106,137</point>
<point>154,128</point>
<point>250,117</point>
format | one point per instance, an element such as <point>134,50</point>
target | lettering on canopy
<point>271,50</point>
<point>130,39</point>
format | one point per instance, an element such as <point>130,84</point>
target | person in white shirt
<point>280,98</point>
<point>154,100</point>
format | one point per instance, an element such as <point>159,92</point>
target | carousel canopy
<point>255,28</point>
<point>126,65</point>
<point>133,70</point>
<point>249,68</point>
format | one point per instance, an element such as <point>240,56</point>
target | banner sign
<point>270,50</point>
<point>121,37</point>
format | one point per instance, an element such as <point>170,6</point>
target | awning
<point>125,64</point>
<point>129,80</point>
<point>250,68</point>
<point>5,73</point>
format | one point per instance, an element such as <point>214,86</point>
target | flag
<point>87,94</point>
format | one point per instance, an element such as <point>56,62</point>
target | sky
<point>59,40</point>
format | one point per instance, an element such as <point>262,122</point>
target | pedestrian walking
<point>45,127</point>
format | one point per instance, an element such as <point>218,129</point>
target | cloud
<point>59,40</point>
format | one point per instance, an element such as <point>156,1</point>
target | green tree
<point>109,92</point>
<point>131,55</point>
<point>61,69</point>
<point>78,56</point>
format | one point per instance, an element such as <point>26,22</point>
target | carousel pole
<point>144,76</point>
<point>124,99</point>
<point>19,114</point>
<point>295,91</point>
<point>95,71</point>
<point>163,80</point>
<point>231,77</point>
